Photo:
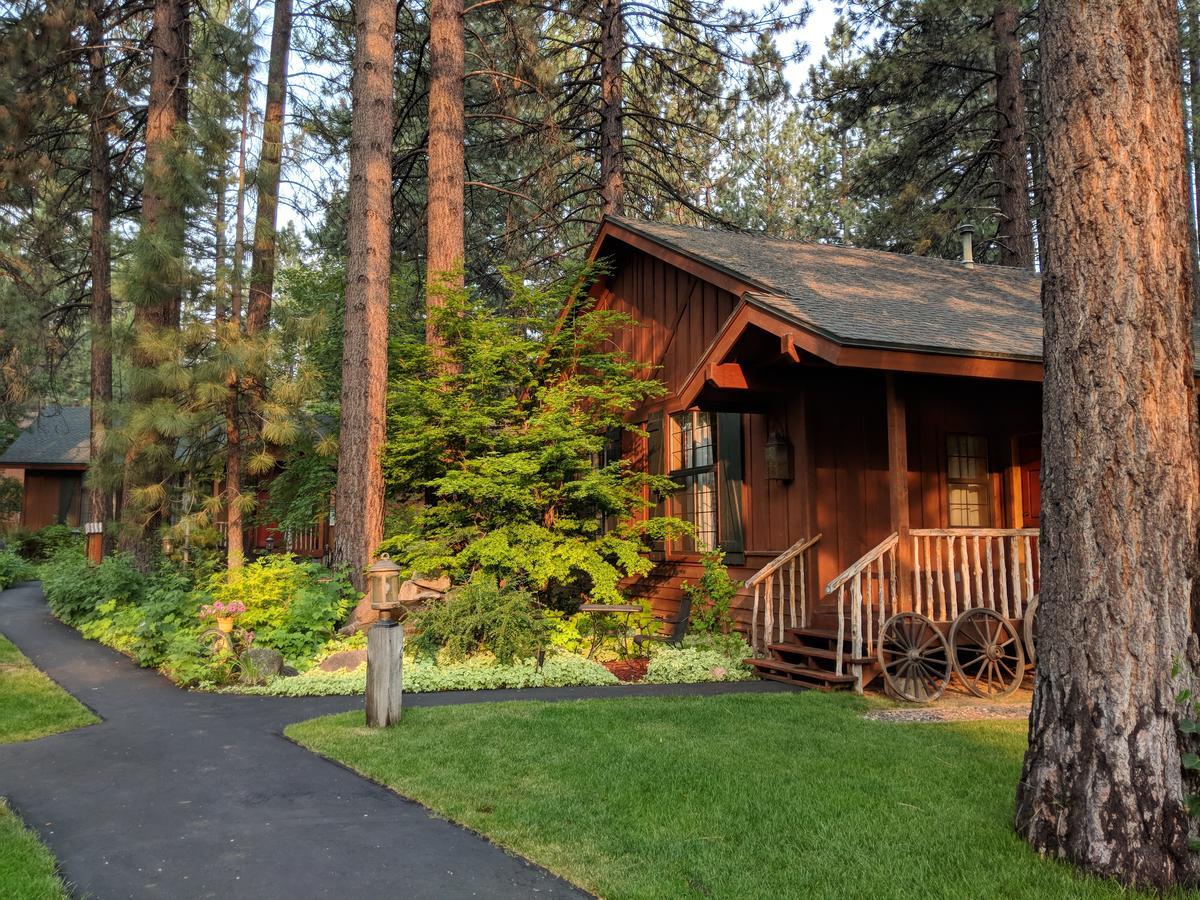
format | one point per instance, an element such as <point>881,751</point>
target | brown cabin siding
<point>835,419</point>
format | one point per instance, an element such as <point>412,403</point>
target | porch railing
<point>873,587</point>
<point>957,569</point>
<point>780,587</point>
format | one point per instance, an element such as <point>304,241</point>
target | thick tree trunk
<point>368,269</point>
<point>1102,785</point>
<point>262,265</point>
<point>100,496</point>
<point>612,135</point>
<point>239,228</point>
<point>220,267</point>
<point>445,251</point>
<point>162,222</point>
<point>1192,54</point>
<point>1015,236</point>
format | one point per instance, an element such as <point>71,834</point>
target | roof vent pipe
<point>966,232</point>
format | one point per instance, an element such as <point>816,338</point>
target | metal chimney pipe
<point>966,233</point>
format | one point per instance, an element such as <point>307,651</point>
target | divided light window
<point>693,466</point>
<point>967,477</point>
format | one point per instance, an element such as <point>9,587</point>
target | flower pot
<point>225,623</point>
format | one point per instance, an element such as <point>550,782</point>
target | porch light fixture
<point>778,457</point>
<point>383,587</point>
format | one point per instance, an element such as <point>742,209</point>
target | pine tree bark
<point>1192,56</point>
<point>162,221</point>
<point>262,263</point>
<point>100,497</point>
<point>239,227</point>
<point>1014,235</point>
<point>1102,785</point>
<point>359,488</point>
<point>445,250</point>
<point>612,135</point>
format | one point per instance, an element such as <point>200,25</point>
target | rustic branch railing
<point>872,581</point>
<point>957,569</point>
<point>780,586</point>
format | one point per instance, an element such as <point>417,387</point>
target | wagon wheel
<point>987,653</point>
<point>1030,630</point>
<point>914,657</point>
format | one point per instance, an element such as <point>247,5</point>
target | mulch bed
<point>932,714</point>
<point>628,669</point>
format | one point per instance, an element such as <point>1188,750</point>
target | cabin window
<point>693,465</point>
<point>967,478</point>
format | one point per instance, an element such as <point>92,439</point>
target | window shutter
<point>729,487</point>
<point>654,466</point>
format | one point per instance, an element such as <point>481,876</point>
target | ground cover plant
<point>777,795</point>
<point>31,705</point>
<point>27,870</point>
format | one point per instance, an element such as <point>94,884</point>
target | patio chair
<point>678,626</point>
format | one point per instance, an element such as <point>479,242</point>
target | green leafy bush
<point>38,546</point>
<point>481,617</point>
<point>424,676</point>
<point>292,606</point>
<point>712,597</point>
<point>14,568</point>
<point>75,591</point>
<point>12,497</point>
<point>502,427</point>
<point>690,665</point>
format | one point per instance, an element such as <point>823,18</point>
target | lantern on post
<point>385,645</point>
<point>778,457</point>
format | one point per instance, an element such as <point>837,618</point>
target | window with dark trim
<point>693,466</point>
<point>968,482</point>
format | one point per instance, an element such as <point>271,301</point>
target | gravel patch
<point>927,715</point>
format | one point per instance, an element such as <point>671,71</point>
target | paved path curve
<point>180,795</point>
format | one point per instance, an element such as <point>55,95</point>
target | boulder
<point>343,661</point>
<point>261,663</point>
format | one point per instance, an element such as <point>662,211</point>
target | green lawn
<point>31,705</point>
<point>26,866</point>
<point>779,795</point>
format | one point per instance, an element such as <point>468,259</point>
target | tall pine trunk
<point>445,245</point>
<point>235,553</point>
<point>262,265</point>
<point>163,226</point>
<point>1015,236</point>
<point>100,497</point>
<point>359,489</point>
<point>612,136</point>
<point>1102,785</point>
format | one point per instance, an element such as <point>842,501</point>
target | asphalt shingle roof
<point>58,436</point>
<point>873,298</point>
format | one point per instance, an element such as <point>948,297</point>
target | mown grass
<point>779,795</point>
<point>31,705</point>
<point>26,867</point>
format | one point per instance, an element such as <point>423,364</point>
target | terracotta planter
<point>225,623</point>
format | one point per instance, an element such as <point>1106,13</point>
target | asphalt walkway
<point>181,794</point>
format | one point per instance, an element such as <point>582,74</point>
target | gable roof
<point>58,435</point>
<point>872,298</point>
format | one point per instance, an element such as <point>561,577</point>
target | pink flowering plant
<point>222,610</point>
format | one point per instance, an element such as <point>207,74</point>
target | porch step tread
<point>813,631</point>
<point>817,652</point>
<point>821,675</point>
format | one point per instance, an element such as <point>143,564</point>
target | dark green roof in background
<point>58,435</point>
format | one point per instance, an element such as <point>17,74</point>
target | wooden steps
<point>809,659</point>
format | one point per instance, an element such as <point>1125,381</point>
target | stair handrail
<point>851,573</point>
<point>781,560</point>
<point>763,581</point>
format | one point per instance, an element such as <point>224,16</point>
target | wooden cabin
<point>859,431</point>
<point>49,458</point>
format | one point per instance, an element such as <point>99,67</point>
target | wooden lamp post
<point>385,646</point>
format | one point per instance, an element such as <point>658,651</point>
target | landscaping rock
<point>265,662</point>
<point>289,671</point>
<point>343,661</point>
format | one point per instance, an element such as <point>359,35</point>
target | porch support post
<point>897,439</point>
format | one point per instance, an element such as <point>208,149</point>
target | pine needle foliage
<point>502,431</point>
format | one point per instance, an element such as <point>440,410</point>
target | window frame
<point>982,482</point>
<point>674,443</point>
